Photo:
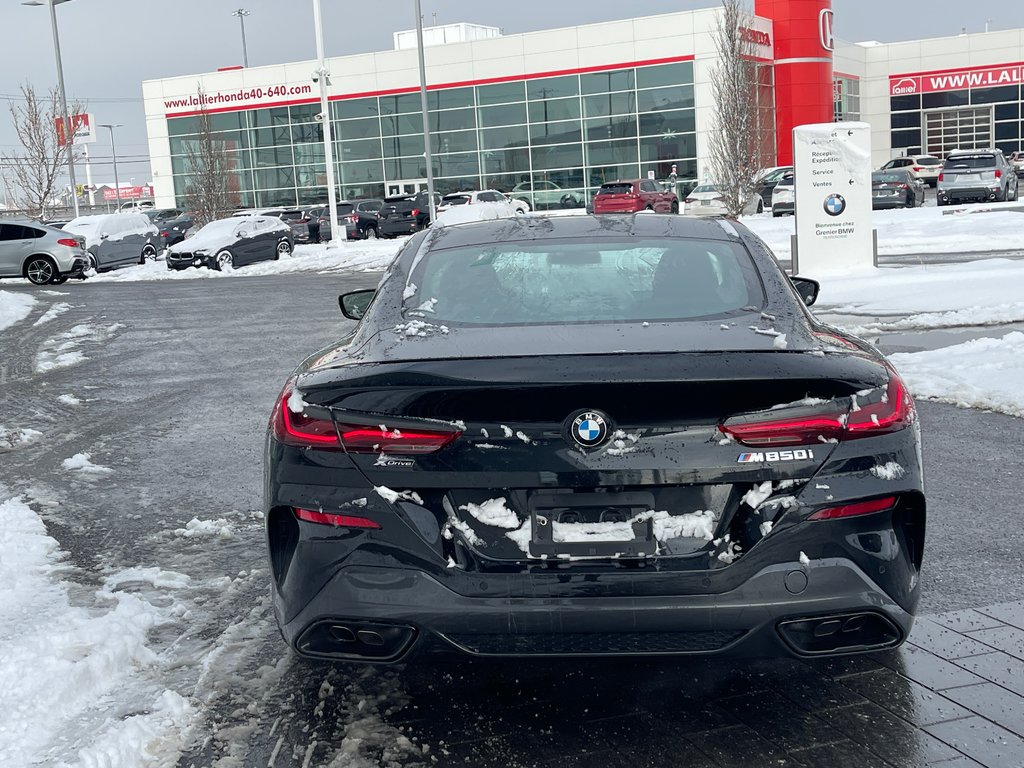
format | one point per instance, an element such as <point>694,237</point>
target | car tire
<point>224,261</point>
<point>675,207</point>
<point>567,201</point>
<point>59,280</point>
<point>284,248</point>
<point>370,233</point>
<point>760,206</point>
<point>148,253</point>
<point>777,214</point>
<point>41,270</point>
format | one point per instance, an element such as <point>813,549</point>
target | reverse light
<point>329,518</point>
<point>856,509</point>
<point>893,412</point>
<point>68,242</point>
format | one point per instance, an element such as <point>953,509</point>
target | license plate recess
<point>546,508</point>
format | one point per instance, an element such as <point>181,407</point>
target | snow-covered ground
<point>14,307</point>
<point>964,229</point>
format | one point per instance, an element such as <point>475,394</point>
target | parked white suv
<point>923,167</point>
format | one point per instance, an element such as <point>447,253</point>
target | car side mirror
<point>354,305</point>
<point>807,288</point>
<point>244,233</point>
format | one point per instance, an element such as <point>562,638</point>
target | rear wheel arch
<point>38,264</point>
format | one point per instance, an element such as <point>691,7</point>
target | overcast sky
<point>110,46</point>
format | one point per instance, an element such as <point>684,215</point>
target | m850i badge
<point>798,454</point>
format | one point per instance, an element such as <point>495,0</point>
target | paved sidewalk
<point>953,696</point>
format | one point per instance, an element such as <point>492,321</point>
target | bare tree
<point>37,168</point>
<point>740,139</point>
<point>208,165</point>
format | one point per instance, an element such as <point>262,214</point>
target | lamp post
<point>426,114</point>
<point>322,77</point>
<point>69,133</point>
<point>113,154</point>
<point>241,13</point>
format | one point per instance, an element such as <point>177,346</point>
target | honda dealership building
<point>554,114</point>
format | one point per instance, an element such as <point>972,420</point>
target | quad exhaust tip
<point>356,639</point>
<point>840,633</point>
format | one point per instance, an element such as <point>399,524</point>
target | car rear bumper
<point>969,193</point>
<point>398,227</point>
<point>409,608</point>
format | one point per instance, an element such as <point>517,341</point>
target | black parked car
<point>405,214</point>
<point>172,231</point>
<point>361,219</point>
<point>233,242</point>
<point>896,189</point>
<point>586,436</point>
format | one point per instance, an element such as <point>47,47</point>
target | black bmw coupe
<point>592,436</point>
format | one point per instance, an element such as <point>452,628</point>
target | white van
<point>116,239</point>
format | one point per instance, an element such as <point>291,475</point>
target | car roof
<point>560,227</point>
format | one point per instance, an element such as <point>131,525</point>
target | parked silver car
<point>42,254</point>
<point>116,239</point>
<point>970,175</point>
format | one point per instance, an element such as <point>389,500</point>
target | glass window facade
<point>970,118</point>
<point>552,141</point>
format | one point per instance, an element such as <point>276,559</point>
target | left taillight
<point>303,430</point>
<point>330,518</point>
<point>68,242</point>
<point>893,411</point>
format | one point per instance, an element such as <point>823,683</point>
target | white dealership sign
<point>833,198</point>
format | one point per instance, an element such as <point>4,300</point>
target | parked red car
<point>633,196</point>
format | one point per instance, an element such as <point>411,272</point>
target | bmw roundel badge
<point>835,205</point>
<point>589,429</point>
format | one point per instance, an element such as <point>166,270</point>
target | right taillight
<point>855,509</point>
<point>892,412</point>
<point>296,427</point>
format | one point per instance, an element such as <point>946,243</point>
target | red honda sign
<point>956,79</point>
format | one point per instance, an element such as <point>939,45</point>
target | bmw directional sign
<point>833,198</point>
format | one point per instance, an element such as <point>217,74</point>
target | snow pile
<point>14,307</point>
<point>62,665</point>
<point>81,462</point>
<point>68,400</point>
<point>12,438</point>
<point>983,373</point>
<point>918,230</point>
<point>493,512</point>
<point>53,312</point>
<point>196,528</point>
<point>64,351</point>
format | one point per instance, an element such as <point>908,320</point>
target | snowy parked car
<point>485,196</point>
<point>116,239</point>
<point>706,200</point>
<point>233,242</point>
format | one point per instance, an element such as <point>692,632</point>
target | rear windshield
<point>706,188</point>
<point>345,208</point>
<point>889,178</point>
<point>970,162</point>
<point>455,200</point>
<point>558,281</point>
<point>928,161</point>
<point>615,189</point>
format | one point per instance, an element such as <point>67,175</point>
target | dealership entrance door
<point>950,129</point>
<point>406,187</point>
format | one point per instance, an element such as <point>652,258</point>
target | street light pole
<point>426,113</point>
<point>321,76</point>
<point>69,133</point>
<point>241,13</point>
<point>113,154</point>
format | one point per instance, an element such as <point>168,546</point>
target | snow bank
<point>974,229</point>
<point>62,663</point>
<point>983,373</point>
<point>14,307</point>
<point>354,256</point>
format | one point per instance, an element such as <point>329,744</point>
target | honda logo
<point>825,19</point>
